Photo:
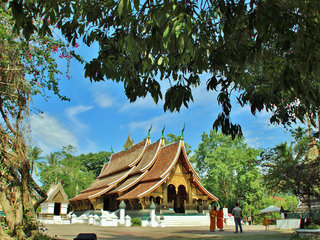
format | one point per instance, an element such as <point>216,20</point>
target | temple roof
<point>125,159</point>
<point>165,161</point>
<point>129,182</point>
<point>108,180</point>
<point>139,170</point>
<point>148,158</point>
<point>143,189</point>
<point>57,194</point>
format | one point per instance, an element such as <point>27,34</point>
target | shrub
<point>136,222</point>
<point>40,236</point>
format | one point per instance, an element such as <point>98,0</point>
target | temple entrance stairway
<point>185,220</point>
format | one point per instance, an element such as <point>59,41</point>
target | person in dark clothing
<point>237,214</point>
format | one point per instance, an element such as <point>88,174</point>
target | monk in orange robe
<point>220,219</point>
<point>265,222</point>
<point>213,215</point>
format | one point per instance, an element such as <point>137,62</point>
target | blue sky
<point>100,116</point>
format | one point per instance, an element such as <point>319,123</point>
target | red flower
<point>68,76</point>
<point>76,45</point>
<point>54,48</point>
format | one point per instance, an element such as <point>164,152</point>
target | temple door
<point>106,203</point>
<point>172,196</point>
<point>57,209</point>
<point>181,198</point>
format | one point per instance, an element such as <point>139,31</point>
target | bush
<point>40,236</point>
<point>136,222</point>
<point>312,226</point>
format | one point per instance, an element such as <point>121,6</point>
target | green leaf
<point>178,29</point>
<point>166,31</point>
<point>181,43</point>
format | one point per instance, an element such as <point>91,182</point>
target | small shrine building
<point>54,208</point>
<point>145,173</point>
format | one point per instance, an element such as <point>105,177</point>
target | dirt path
<point>250,232</point>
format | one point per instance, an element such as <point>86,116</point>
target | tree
<point>94,161</point>
<point>27,68</point>
<point>263,54</point>
<point>72,171</point>
<point>229,170</point>
<point>52,167</point>
<point>291,167</point>
<point>34,155</point>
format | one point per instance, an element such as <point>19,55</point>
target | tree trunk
<point>3,235</point>
<point>13,210</point>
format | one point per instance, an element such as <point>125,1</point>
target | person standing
<point>220,219</point>
<point>265,222</point>
<point>237,214</point>
<point>213,215</point>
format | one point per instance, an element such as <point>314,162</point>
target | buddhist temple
<point>143,174</point>
<point>54,208</point>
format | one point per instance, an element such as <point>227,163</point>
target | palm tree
<point>53,160</point>
<point>34,155</point>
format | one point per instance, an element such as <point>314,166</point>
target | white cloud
<point>254,142</point>
<point>157,123</point>
<point>203,97</point>
<point>103,100</point>
<point>73,112</point>
<point>141,104</point>
<point>49,134</point>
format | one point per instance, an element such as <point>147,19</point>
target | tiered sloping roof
<point>138,171</point>
<point>55,192</point>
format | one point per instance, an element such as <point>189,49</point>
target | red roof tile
<point>103,168</point>
<point>125,159</point>
<point>187,164</point>
<point>143,189</point>
<point>91,194</point>
<point>108,180</point>
<point>166,159</point>
<point>82,196</point>
<point>128,183</point>
<point>148,158</point>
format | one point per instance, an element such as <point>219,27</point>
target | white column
<point>153,222</point>
<point>122,207</point>
<point>91,219</point>
<point>128,221</point>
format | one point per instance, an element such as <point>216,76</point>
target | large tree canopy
<point>26,69</point>
<point>265,54</point>
<point>294,167</point>
<point>229,170</point>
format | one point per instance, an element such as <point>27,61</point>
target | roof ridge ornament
<point>181,136</point>
<point>164,127</point>
<point>148,134</point>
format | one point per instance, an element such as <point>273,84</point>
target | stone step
<point>171,221</point>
